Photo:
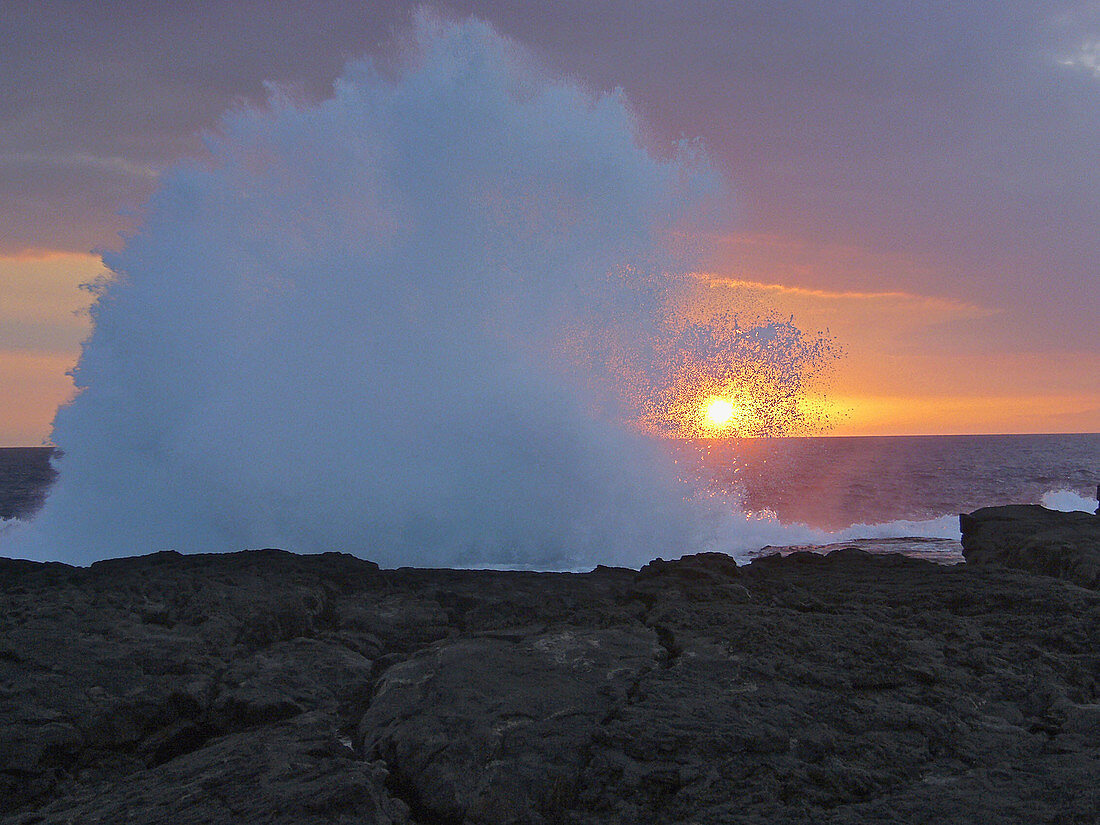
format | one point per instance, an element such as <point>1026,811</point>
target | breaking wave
<point>1068,501</point>
<point>419,321</point>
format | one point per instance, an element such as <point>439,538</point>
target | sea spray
<point>1068,501</point>
<point>395,323</point>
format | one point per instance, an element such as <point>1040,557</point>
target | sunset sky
<point>921,179</point>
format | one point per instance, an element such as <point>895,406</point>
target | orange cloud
<point>929,415</point>
<point>910,365</point>
<point>43,319</point>
<point>35,384</point>
<point>767,258</point>
<point>883,310</point>
<point>43,290</point>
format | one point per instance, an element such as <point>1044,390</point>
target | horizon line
<point>753,437</point>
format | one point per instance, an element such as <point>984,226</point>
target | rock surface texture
<point>1030,537</point>
<point>265,687</point>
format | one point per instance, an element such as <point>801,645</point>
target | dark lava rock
<point>1033,538</point>
<point>273,688</point>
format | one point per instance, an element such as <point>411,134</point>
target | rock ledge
<point>265,687</point>
<point>1033,538</point>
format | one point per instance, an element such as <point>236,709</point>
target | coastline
<point>305,689</point>
<point>927,548</point>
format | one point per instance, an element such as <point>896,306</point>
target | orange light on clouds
<point>907,366</point>
<point>962,414</point>
<point>43,320</point>
<point>34,385</point>
<point>916,364</point>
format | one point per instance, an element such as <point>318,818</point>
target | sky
<point>919,179</point>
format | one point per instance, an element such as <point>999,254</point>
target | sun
<point>718,412</point>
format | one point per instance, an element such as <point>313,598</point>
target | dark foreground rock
<point>264,687</point>
<point>1033,538</point>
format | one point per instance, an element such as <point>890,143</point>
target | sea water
<point>901,493</point>
<point>889,493</point>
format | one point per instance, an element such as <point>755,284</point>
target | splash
<point>1068,501</point>
<point>716,364</point>
<point>429,321</point>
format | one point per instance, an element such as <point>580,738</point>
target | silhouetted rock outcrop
<point>268,687</point>
<point>1033,538</point>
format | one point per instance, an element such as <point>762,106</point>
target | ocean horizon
<point>880,493</point>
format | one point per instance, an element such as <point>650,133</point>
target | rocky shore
<point>265,687</point>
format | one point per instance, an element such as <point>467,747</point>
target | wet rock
<point>499,728</point>
<point>269,687</point>
<point>296,772</point>
<point>1033,538</point>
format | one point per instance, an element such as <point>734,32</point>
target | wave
<point>405,322</point>
<point>909,537</point>
<point>744,536</point>
<point>1068,501</point>
<point>12,532</point>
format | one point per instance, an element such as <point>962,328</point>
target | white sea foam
<point>355,326</point>
<point>8,525</point>
<point>1068,501</point>
<point>743,537</point>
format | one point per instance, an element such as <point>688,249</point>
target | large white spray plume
<point>367,325</point>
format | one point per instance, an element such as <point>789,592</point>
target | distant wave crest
<point>1068,501</point>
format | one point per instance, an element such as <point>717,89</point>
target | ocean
<point>889,493</point>
<point>900,493</point>
<point>25,477</point>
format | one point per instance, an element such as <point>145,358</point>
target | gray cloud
<point>959,137</point>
